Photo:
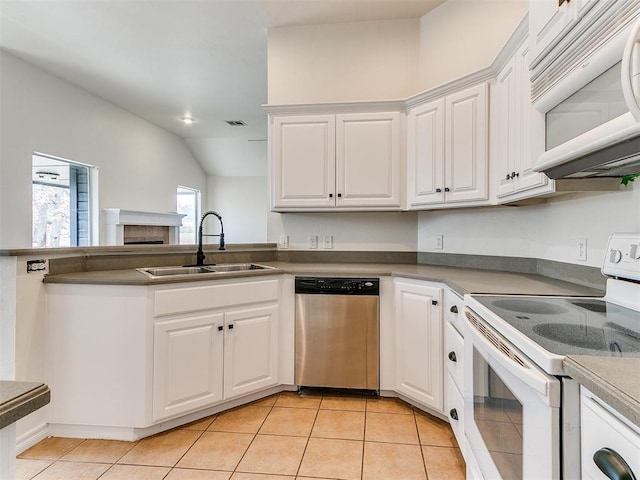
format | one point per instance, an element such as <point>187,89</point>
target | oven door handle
<point>511,360</point>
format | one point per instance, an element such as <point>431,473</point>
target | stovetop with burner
<point>547,328</point>
<point>572,325</point>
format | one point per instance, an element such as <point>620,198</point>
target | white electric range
<point>521,417</point>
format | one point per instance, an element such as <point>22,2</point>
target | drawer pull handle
<point>453,413</point>
<point>613,465</point>
<point>454,309</point>
<point>452,356</point>
<point>438,190</point>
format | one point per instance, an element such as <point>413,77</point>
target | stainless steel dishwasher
<point>337,332</point>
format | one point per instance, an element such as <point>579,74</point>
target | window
<point>62,210</point>
<point>188,203</point>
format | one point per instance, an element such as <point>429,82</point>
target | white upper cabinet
<point>447,150</point>
<point>304,157</point>
<point>347,161</point>
<point>519,138</point>
<point>368,160</point>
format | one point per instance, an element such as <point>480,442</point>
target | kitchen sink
<point>159,272</point>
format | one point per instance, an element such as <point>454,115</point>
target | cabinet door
<point>303,161</point>
<point>187,364</point>
<point>466,134</point>
<point>368,160</point>
<point>531,128</point>
<point>250,350</point>
<point>419,370</point>
<point>507,127</point>
<point>547,20</point>
<point>425,154</point>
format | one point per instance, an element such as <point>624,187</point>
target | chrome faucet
<point>200,253</point>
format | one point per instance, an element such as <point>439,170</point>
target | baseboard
<point>30,438</point>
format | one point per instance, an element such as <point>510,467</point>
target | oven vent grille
<point>486,332</point>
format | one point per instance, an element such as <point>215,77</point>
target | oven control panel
<point>622,256</point>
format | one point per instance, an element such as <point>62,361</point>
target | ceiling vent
<point>236,123</point>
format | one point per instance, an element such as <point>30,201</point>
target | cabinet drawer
<point>453,310</point>
<point>210,296</point>
<point>454,351</point>
<point>454,407</point>
<point>602,429</point>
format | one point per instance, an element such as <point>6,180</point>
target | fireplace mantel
<point>115,220</point>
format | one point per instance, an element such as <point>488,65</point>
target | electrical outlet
<point>328,241</point>
<point>284,241</point>
<point>437,243</point>
<point>581,249</point>
<point>313,241</point>
<point>40,265</point>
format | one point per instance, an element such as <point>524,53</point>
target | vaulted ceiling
<point>163,59</point>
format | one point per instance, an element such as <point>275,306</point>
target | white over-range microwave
<point>592,115</point>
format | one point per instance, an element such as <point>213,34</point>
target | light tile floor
<point>282,437</point>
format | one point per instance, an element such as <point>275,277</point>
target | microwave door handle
<point>527,373</point>
<point>630,71</point>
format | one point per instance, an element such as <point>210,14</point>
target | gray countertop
<point>19,399</point>
<point>615,380</point>
<point>461,280</point>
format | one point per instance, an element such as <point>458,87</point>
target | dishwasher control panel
<point>337,285</point>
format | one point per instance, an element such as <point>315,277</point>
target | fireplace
<point>131,227</point>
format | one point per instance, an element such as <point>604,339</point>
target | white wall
<point>140,163</point>
<point>369,231</point>
<point>460,37</point>
<point>343,62</point>
<point>243,204</point>
<point>548,231</point>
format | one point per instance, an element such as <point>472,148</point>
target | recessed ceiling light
<point>187,119</point>
<point>236,123</point>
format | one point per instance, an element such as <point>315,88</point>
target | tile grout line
<point>309,437</point>
<point>424,460</point>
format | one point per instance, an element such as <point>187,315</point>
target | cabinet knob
<point>220,328</point>
<point>446,189</point>
<point>508,177</point>
<point>434,302</point>
<point>452,356</point>
<point>230,326</point>
<point>453,413</point>
<point>514,174</point>
<point>331,195</point>
<point>339,195</point>
<point>613,465</point>
<point>454,309</point>
<point>517,174</point>
<point>438,190</point>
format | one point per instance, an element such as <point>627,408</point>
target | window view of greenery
<point>60,203</point>
<point>188,203</point>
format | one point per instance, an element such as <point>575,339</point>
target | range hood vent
<point>616,160</point>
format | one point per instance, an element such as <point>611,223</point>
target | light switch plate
<point>313,241</point>
<point>437,243</point>
<point>284,241</point>
<point>328,241</point>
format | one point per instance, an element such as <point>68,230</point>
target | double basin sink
<point>161,272</point>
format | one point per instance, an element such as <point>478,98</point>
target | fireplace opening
<point>145,235</point>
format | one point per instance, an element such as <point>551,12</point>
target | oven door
<point>512,408</point>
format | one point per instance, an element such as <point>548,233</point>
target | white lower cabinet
<point>419,372</point>
<point>187,364</point>
<point>250,350</point>
<point>127,357</point>
<point>454,382</point>
<point>608,441</point>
